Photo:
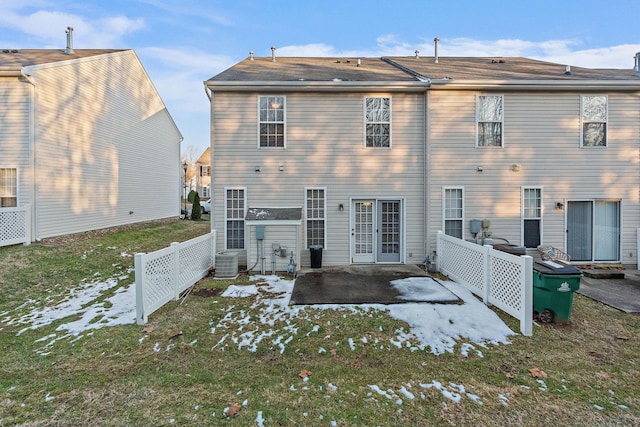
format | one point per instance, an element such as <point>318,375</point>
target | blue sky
<point>181,43</point>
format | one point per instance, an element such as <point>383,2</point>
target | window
<point>453,213</point>
<point>315,215</point>
<point>271,121</point>
<point>594,120</point>
<point>235,203</point>
<point>205,170</point>
<point>531,216</point>
<point>205,191</point>
<point>8,187</point>
<point>489,117</point>
<point>378,122</point>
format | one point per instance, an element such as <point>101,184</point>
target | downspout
<point>427,181</point>
<point>35,235</point>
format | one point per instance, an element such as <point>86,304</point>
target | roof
<point>29,57</point>
<point>205,157</point>
<point>413,73</point>
<point>274,214</point>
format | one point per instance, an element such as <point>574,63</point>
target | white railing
<point>499,278</point>
<point>162,275</point>
<point>15,225</point>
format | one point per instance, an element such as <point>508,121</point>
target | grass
<point>183,368</point>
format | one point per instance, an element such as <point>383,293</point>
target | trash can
<point>316,256</point>
<point>553,286</point>
<point>511,249</point>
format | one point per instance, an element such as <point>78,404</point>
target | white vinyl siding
<point>315,215</point>
<point>107,149</point>
<point>271,127</point>
<point>235,204</point>
<point>321,153</point>
<point>453,211</point>
<point>377,115</point>
<point>594,117</point>
<point>489,120</point>
<point>531,217</point>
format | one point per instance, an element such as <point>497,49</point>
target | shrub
<point>191,195</point>
<point>196,210</point>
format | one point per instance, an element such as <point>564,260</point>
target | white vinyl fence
<point>15,225</point>
<point>162,275</point>
<point>499,278</point>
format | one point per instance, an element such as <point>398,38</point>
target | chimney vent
<point>567,70</point>
<point>636,67</point>
<point>251,55</point>
<point>359,62</point>
<point>69,49</point>
<point>435,56</point>
<point>273,53</point>
<point>417,52</point>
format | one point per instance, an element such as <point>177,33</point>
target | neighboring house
<point>203,174</point>
<point>378,155</point>
<point>86,141</point>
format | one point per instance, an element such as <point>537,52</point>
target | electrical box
<point>283,252</point>
<point>275,246</point>
<point>474,226</point>
<point>259,232</point>
<point>486,223</point>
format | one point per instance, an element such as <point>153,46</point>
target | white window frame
<point>283,122</point>
<point>605,122</point>
<point>235,218</point>
<point>315,218</point>
<point>524,214</point>
<point>478,121</point>
<point>364,118</point>
<point>11,191</point>
<point>445,218</point>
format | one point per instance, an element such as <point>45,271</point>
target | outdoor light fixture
<point>341,207</point>
<point>479,168</point>
<point>559,205</point>
<point>185,166</point>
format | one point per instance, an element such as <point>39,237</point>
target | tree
<point>196,211</point>
<point>191,196</point>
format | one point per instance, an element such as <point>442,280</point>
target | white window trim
<point>606,131</point>
<point>284,122</point>
<point>364,122</point>
<point>226,218</point>
<point>522,216</point>
<point>478,121</point>
<point>17,169</point>
<point>444,214</point>
<point>324,189</point>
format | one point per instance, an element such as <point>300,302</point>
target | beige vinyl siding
<point>107,149</point>
<point>15,102</point>
<point>325,148</point>
<point>542,135</point>
<point>283,235</point>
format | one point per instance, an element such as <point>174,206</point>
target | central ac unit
<point>226,265</point>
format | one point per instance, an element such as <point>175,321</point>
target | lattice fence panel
<point>506,285</point>
<point>464,263</point>
<point>195,261</point>
<point>159,282</point>
<point>13,227</point>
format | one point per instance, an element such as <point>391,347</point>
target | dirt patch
<point>206,292</point>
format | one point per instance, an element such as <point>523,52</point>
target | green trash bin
<point>553,286</point>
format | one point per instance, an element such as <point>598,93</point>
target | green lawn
<point>189,363</point>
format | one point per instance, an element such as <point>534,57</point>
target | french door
<point>593,230</point>
<point>376,233</point>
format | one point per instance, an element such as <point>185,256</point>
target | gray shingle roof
<point>28,57</point>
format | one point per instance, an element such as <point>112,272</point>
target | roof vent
<point>435,56</point>
<point>69,49</point>
<point>359,63</point>
<point>251,55</point>
<point>273,53</point>
<point>417,52</point>
<point>567,70</point>
<point>497,61</point>
<point>636,67</point>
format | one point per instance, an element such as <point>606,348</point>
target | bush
<point>191,195</point>
<point>196,210</point>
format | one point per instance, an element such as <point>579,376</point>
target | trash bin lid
<point>315,247</point>
<point>555,268</point>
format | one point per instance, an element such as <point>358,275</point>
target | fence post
<point>438,247</point>
<point>141,317</point>
<point>175,280</point>
<point>27,225</point>
<point>526,322</point>
<point>486,270</point>
<point>214,242</point>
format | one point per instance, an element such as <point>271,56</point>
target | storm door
<point>376,233</point>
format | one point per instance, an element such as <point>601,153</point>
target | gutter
<point>534,85</point>
<point>315,86</point>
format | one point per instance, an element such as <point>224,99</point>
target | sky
<point>183,43</point>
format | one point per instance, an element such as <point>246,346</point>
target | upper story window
<point>378,122</point>
<point>272,121</point>
<point>490,120</point>
<point>205,170</point>
<point>593,118</point>
<point>8,187</point>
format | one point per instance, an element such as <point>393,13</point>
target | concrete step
<point>603,273</point>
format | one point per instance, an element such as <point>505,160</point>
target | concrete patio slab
<point>622,294</point>
<point>369,284</point>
